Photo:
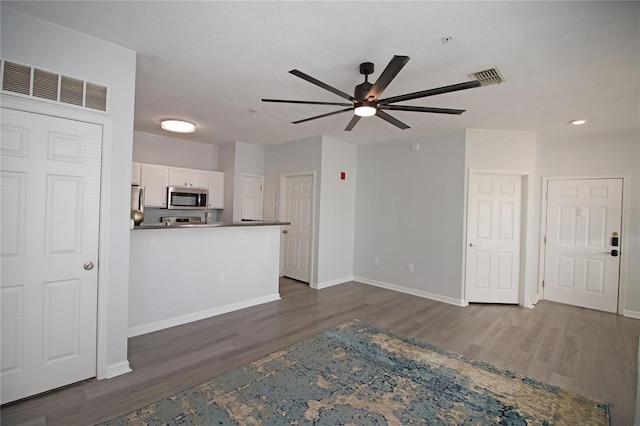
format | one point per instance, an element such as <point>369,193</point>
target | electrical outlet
<point>376,261</point>
<point>221,279</point>
<point>410,267</point>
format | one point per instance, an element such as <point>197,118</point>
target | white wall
<point>170,287</point>
<point>236,159</point>
<point>42,44</point>
<point>336,220</point>
<point>410,209</point>
<point>513,151</point>
<point>302,157</point>
<point>605,154</point>
<point>227,164</point>
<point>170,151</point>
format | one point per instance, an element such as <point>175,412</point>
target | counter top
<point>160,225</point>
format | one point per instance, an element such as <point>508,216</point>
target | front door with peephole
<point>583,237</point>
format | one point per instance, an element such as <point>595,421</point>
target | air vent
<point>71,90</point>
<point>45,84</point>
<point>42,84</point>
<point>96,97</point>
<point>487,77</point>
<point>16,78</point>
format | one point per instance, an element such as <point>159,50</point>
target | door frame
<point>626,178</point>
<point>525,177</point>
<point>102,119</point>
<point>282,207</point>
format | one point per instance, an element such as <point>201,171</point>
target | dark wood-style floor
<point>586,351</point>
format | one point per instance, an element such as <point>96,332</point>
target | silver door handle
<point>471,245</point>
<point>88,266</point>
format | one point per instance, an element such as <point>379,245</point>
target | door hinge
<point>542,283</point>
<point>545,240</point>
<point>546,195</point>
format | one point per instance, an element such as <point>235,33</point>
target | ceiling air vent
<point>487,77</point>
<point>29,81</point>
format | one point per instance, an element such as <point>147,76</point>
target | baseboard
<point>412,291</point>
<point>331,283</point>
<point>631,314</point>
<point>196,316</point>
<point>533,302</point>
<point>118,369</point>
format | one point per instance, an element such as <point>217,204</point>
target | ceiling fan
<point>366,100</point>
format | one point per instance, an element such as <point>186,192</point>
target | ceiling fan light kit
<point>366,101</point>
<point>365,110</point>
<point>178,126</point>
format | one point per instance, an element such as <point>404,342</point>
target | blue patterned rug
<point>360,374</point>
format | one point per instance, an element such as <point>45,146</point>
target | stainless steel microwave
<point>187,198</point>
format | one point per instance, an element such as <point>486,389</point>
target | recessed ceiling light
<point>578,122</point>
<point>178,126</point>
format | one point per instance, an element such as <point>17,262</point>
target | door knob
<point>88,266</point>
<point>285,231</point>
<point>471,245</point>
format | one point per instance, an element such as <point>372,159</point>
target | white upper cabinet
<point>216,190</point>
<point>190,178</point>
<point>155,179</point>
<point>199,179</point>
<point>135,173</point>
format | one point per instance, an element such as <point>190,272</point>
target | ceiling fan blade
<point>422,109</point>
<point>323,115</point>
<point>393,68</point>
<point>323,85</point>
<point>306,102</point>
<point>431,92</point>
<point>352,123</point>
<point>389,119</point>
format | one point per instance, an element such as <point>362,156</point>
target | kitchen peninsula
<point>184,273</point>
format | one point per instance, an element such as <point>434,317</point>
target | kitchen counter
<point>160,225</point>
<point>188,272</point>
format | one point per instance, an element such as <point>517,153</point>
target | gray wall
<point>303,156</point>
<point>605,154</point>
<point>410,209</point>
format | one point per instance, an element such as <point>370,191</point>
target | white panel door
<point>493,238</point>
<point>582,218</point>
<point>297,241</point>
<point>251,208</point>
<point>50,211</point>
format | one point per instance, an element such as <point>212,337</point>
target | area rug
<point>357,374</point>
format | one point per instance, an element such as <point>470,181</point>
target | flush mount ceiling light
<point>365,110</point>
<point>178,126</point>
<point>578,122</point>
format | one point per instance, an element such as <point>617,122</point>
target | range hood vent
<point>488,77</point>
<point>51,86</point>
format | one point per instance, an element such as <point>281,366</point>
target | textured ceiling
<point>211,63</point>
